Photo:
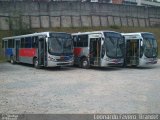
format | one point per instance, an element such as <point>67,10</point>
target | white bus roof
<point>92,32</point>
<point>135,33</point>
<point>33,34</point>
<point>132,36</point>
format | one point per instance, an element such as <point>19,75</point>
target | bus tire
<point>84,63</point>
<point>36,64</point>
<point>12,61</point>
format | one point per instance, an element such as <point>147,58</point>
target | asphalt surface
<point>24,89</point>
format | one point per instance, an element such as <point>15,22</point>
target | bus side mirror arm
<point>102,41</point>
<point>141,43</point>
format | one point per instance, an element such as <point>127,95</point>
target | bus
<point>98,48</point>
<point>140,49</point>
<point>46,49</point>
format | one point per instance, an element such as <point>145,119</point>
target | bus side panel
<point>8,53</point>
<point>26,55</point>
<point>80,52</point>
<point>77,51</point>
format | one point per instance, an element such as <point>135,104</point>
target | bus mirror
<point>123,37</point>
<point>141,43</point>
<point>102,42</point>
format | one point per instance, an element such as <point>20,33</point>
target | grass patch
<point>2,59</point>
<point>115,27</point>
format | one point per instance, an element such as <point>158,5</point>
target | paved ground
<point>24,89</point>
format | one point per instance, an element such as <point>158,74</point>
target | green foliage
<point>17,24</point>
<point>115,27</point>
<point>2,59</point>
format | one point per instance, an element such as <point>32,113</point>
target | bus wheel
<point>12,60</point>
<point>36,64</point>
<point>85,63</point>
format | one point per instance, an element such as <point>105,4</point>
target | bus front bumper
<point>116,62</point>
<point>54,64</point>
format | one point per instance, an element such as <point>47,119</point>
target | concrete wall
<point>77,14</point>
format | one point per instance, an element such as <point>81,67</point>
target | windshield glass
<point>114,44</point>
<point>150,45</point>
<point>60,43</point>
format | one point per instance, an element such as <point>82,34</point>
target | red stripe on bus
<point>27,52</point>
<point>77,51</point>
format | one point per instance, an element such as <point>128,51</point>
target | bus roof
<point>136,33</point>
<point>33,34</point>
<point>93,32</point>
<point>131,36</point>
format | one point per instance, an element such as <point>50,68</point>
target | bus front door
<point>95,48</point>
<point>41,51</point>
<point>17,49</point>
<point>132,52</point>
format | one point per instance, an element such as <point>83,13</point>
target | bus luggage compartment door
<point>132,52</point>
<point>95,48</point>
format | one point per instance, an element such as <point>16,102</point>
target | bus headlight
<point>51,59</point>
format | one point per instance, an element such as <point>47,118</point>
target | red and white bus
<point>46,49</point>
<point>98,48</point>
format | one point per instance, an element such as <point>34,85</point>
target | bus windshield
<point>114,44</point>
<point>150,45</point>
<point>60,44</point>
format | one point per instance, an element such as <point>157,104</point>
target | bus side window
<point>22,43</point>
<point>5,44</point>
<point>28,42</point>
<point>11,43</point>
<point>34,42</point>
<point>82,41</point>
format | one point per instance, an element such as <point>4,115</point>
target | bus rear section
<point>36,49</point>
<point>136,50</point>
<point>8,48</point>
<point>98,48</point>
